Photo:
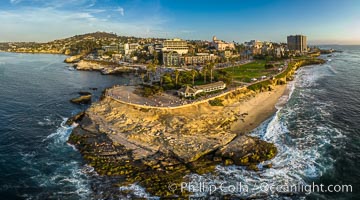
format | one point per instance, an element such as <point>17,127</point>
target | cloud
<point>46,24</point>
<point>55,3</point>
<point>121,11</point>
<point>15,1</point>
<point>95,11</point>
<point>91,3</point>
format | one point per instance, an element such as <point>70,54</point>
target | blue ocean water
<point>317,131</point>
<point>35,160</point>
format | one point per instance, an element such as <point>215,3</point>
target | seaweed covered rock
<point>76,118</point>
<point>156,148</point>
<point>85,99</point>
<point>247,150</point>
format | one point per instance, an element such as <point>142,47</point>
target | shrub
<point>269,66</point>
<point>216,102</point>
<point>151,90</point>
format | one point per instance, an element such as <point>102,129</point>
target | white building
<point>279,51</point>
<point>221,45</point>
<point>177,45</point>
<point>111,48</point>
<point>130,47</point>
<point>193,91</point>
<point>172,58</point>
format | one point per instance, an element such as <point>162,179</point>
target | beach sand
<point>258,108</point>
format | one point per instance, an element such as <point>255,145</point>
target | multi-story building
<point>221,45</point>
<point>199,58</point>
<point>130,47</point>
<point>172,59</point>
<point>177,45</point>
<point>254,43</point>
<point>158,47</point>
<point>175,59</point>
<point>279,51</point>
<point>111,48</point>
<point>297,43</point>
<point>254,47</point>
<point>267,48</point>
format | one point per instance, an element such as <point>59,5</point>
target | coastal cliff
<point>73,59</point>
<point>158,147</point>
<point>103,67</point>
<point>287,75</point>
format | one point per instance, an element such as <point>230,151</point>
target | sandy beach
<point>258,109</point>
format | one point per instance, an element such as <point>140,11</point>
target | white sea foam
<point>47,121</point>
<point>300,152</point>
<point>68,174</point>
<point>138,191</point>
<point>62,134</point>
<point>332,69</point>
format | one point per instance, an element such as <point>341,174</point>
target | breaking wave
<point>71,176</point>
<point>301,137</point>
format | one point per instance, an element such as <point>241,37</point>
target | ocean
<point>317,133</point>
<point>35,160</point>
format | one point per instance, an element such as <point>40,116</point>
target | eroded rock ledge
<point>103,67</point>
<point>155,147</point>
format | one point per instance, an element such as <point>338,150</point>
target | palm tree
<point>150,68</point>
<point>177,73</point>
<point>211,66</point>
<point>156,63</point>
<point>155,59</point>
<point>193,74</point>
<point>204,70</point>
<point>233,69</point>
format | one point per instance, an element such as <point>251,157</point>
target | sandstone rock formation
<point>73,59</point>
<point>103,67</point>
<point>85,99</point>
<point>155,147</point>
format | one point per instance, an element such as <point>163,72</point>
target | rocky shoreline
<point>161,147</point>
<point>158,147</point>
<point>104,68</point>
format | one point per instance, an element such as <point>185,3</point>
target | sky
<point>322,21</point>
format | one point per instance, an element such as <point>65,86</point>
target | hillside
<point>70,46</point>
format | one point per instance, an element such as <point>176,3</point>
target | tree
<point>150,68</point>
<point>167,82</point>
<point>156,60</point>
<point>204,70</point>
<point>193,74</point>
<point>211,66</point>
<point>177,74</point>
<point>156,63</point>
<point>233,70</point>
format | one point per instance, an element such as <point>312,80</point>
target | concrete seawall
<point>177,107</point>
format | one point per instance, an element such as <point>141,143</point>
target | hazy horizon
<point>323,22</point>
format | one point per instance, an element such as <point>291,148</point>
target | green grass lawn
<point>251,70</point>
